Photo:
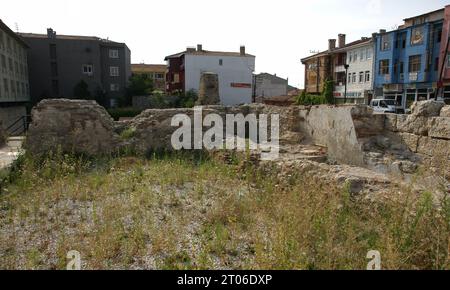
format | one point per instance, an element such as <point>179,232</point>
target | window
<point>3,63</point>
<point>385,42</point>
<point>220,62</point>
<point>114,71</point>
<point>367,77</point>
<point>417,36</point>
<point>349,78</point>
<point>361,77</point>
<point>11,66</point>
<point>5,85</point>
<point>439,36</point>
<point>414,63</point>
<point>355,56</point>
<point>361,55</point>
<point>114,87</point>
<point>88,69</point>
<point>368,53</point>
<point>384,67</point>
<point>55,88</point>
<point>436,64</point>
<point>113,53</point>
<point>52,51</point>
<point>159,76</point>
<point>350,57</point>
<point>54,69</point>
<point>13,87</point>
<point>353,77</point>
<point>448,61</point>
<point>2,43</point>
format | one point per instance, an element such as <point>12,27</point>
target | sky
<point>279,32</point>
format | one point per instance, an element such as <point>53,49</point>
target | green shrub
<point>117,113</point>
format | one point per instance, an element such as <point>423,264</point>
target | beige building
<point>14,86</point>
<point>156,72</point>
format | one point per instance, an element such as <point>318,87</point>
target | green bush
<point>309,100</point>
<point>117,113</point>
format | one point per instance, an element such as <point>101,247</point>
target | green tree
<point>81,91</point>
<point>328,91</point>
<point>140,85</point>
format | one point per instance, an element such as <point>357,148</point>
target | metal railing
<point>19,127</point>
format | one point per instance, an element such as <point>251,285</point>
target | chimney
<point>382,31</point>
<point>199,47</point>
<point>242,50</point>
<point>50,33</point>
<point>331,44</point>
<point>341,40</point>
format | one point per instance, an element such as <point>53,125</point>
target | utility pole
<point>346,66</point>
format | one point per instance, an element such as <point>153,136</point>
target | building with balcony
<point>358,56</point>
<point>14,86</point>
<point>318,69</point>
<point>407,59</point>
<point>156,72</point>
<point>234,69</point>
<point>59,62</point>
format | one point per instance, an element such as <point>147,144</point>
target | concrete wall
<point>234,69</point>
<point>333,127</point>
<point>267,86</point>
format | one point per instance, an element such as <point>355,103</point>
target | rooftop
<point>68,37</point>
<point>361,41</point>
<point>208,53</point>
<point>425,14</point>
<point>14,35</point>
<point>142,67</point>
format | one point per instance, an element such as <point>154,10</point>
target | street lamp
<point>346,66</point>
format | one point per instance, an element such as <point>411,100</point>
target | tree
<point>328,91</point>
<point>81,91</point>
<point>140,85</point>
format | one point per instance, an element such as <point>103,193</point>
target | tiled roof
<point>338,49</point>
<point>207,52</point>
<point>14,35</point>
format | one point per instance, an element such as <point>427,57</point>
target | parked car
<point>384,106</point>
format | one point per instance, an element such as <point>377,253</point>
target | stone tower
<point>208,93</point>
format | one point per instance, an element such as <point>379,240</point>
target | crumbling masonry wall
<point>353,135</point>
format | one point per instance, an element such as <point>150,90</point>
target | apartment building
<point>59,62</point>
<point>234,69</point>
<point>156,72</point>
<point>14,86</point>
<point>318,69</point>
<point>407,59</point>
<point>353,67</point>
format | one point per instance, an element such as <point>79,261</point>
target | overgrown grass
<point>194,212</point>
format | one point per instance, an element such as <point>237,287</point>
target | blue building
<point>407,59</point>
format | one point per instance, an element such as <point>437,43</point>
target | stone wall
<point>353,135</point>
<point>72,125</point>
<point>426,131</point>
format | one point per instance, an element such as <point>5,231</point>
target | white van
<point>384,106</point>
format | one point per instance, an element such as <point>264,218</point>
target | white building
<point>359,57</point>
<point>234,69</point>
<point>267,86</point>
<point>14,86</point>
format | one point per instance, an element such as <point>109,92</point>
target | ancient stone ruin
<point>208,93</point>
<point>349,142</point>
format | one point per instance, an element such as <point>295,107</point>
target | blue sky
<point>279,33</point>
